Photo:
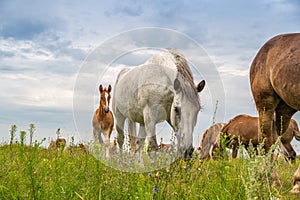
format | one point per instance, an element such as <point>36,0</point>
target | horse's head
<point>296,132</point>
<point>104,98</point>
<point>184,113</point>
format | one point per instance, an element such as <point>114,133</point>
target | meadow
<point>29,171</point>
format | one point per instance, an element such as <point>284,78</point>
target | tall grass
<point>32,172</point>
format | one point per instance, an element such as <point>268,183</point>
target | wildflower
<point>157,174</point>
<point>155,189</point>
<point>177,133</point>
<point>149,174</point>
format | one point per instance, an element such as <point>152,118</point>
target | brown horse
<point>165,146</point>
<point>274,80</point>
<point>103,120</point>
<point>59,142</point>
<point>209,140</point>
<point>244,128</point>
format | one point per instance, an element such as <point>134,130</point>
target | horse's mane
<point>185,77</point>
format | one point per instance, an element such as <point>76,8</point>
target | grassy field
<point>33,172</point>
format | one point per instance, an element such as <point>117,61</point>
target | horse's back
<point>150,84</point>
<point>243,126</point>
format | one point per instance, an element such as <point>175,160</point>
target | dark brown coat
<point>275,85</point>
<point>245,129</point>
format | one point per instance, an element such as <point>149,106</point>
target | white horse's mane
<point>185,77</point>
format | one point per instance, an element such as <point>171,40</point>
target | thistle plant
<point>259,168</point>
<point>12,133</point>
<point>31,132</point>
<point>22,137</point>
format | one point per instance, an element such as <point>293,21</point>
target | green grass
<point>32,172</point>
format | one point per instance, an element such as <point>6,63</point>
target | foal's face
<point>104,98</point>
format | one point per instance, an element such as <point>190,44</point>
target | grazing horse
<point>82,147</point>
<point>158,90</point>
<point>244,129</point>
<point>103,120</point>
<point>209,140</point>
<point>275,85</point>
<point>59,142</point>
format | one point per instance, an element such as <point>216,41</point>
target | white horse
<point>161,89</point>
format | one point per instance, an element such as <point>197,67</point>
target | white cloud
<point>41,52</point>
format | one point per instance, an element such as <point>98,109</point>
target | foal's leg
<point>107,141</point>
<point>97,135</point>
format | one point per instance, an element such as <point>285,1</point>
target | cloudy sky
<point>44,46</point>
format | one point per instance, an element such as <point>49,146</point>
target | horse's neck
<point>101,114</point>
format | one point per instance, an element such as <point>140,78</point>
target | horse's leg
<point>233,144</point>
<point>284,114</point>
<point>234,152</point>
<point>296,182</point>
<point>107,141</point>
<point>140,141</point>
<point>266,101</point>
<point>97,135</point>
<point>149,119</point>
<point>211,149</point>
<point>153,147</point>
<point>265,127</point>
<point>291,152</point>
<point>120,119</point>
<point>132,136</point>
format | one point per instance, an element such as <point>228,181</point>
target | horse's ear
<point>177,85</point>
<point>101,88</point>
<point>200,86</point>
<point>109,89</point>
